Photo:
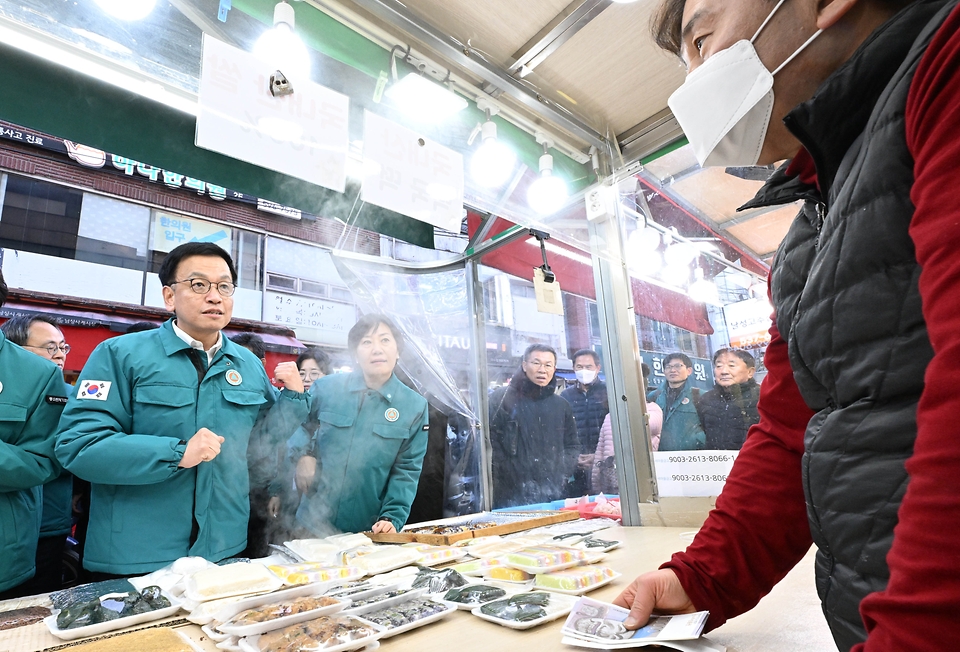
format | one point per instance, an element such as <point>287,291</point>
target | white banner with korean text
<point>692,473</point>
<point>409,174</point>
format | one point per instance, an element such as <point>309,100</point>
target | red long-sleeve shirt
<point>759,530</point>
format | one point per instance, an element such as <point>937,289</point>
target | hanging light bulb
<point>703,290</point>
<point>644,240</point>
<point>548,193</point>
<point>127,9</point>
<point>492,163</point>
<point>645,263</point>
<point>680,253</point>
<point>678,275</point>
<point>422,99</point>
<point>282,48</point>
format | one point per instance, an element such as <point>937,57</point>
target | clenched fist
<point>288,374</point>
<point>202,447</point>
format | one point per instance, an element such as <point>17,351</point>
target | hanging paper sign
<point>748,322</point>
<point>692,473</point>
<point>409,174</point>
<point>304,135</point>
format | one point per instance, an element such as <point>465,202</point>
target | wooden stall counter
<point>787,620</point>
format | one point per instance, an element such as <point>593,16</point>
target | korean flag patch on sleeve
<point>94,390</point>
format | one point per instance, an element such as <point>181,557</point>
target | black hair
<point>317,355</point>
<point>17,329</point>
<point>645,370</point>
<point>141,326</point>
<point>590,352</point>
<point>533,348</point>
<point>3,289</point>
<point>168,268</point>
<point>369,323</point>
<point>682,357</point>
<point>746,356</point>
<point>253,342</point>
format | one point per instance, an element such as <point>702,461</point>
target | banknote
<point>600,621</point>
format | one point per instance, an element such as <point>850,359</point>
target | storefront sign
<point>692,473</point>
<point>304,135</point>
<point>328,320</point>
<point>701,376</point>
<point>406,173</point>
<point>748,323</point>
<point>172,230</point>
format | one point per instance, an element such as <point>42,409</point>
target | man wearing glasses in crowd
<point>161,421</point>
<point>41,335</point>
<point>682,430</point>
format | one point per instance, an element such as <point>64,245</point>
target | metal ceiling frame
<point>396,14</point>
<point>558,31</point>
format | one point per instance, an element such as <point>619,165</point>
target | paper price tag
<point>692,473</point>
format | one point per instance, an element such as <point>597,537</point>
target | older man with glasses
<point>42,336</point>
<point>162,421</point>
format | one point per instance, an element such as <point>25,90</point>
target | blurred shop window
<point>113,232</point>
<point>40,217</point>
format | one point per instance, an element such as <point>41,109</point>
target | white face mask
<point>586,376</point>
<point>724,105</point>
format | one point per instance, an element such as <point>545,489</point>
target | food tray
<point>228,611</point>
<point>410,594</point>
<point>373,590</point>
<point>590,550</point>
<point>448,609</point>
<point>277,623</point>
<point>435,555</point>
<point>267,582</point>
<point>507,522</point>
<point>251,643</point>
<point>306,550</point>
<point>510,589</point>
<point>580,591</point>
<point>231,644</point>
<point>552,568</point>
<point>111,625</point>
<point>210,629</point>
<point>331,574</point>
<point>560,605</point>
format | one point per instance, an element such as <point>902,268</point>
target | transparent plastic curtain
<point>427,306</point>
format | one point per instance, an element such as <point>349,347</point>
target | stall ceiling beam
<point>655,133</point>
<point>396,14</point>
<point>560,30</point>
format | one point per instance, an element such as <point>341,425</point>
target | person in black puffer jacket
<point>533,435</point>
<point>588,399</point>
<point>728,410</point>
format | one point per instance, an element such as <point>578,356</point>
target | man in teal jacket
<point>31,400</point>
<point>370,442</point>
<point>161,422</point>
<point>682,430</point>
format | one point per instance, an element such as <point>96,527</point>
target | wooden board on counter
<point>511,522</point>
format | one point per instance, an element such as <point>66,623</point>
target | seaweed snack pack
<point>111,606</point>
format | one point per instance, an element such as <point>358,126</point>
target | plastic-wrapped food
<point>508,574</point>
<point>308,573</point>
<point>477,566</point>
<point>382,559</point>
<point>111,607</point>
<point>22,617</point>
<point>232,579</point>
<point>316,634</point>
<point>350,588</point>
<point>520,608</point>
<point>474,594</point>
<point>405,613</point>
<point>438,581</point>
<point>432,555</point>
<point>281,609</point>
<point>576,579</point>
<point>88,592</point>
<point>544,557</point>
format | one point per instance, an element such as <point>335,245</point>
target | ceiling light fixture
<point>549,192</point>
<point>493,162</point>
<point>418,97</point>
<point>702,290</point>
<point>282,48</point>
<point>127,9</point>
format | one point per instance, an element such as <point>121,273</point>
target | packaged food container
<point>308,573</point>
<point>478,593</point>
<point>315,550</point>
<point>544,559</point>
<point>508,574</point>
<point>232,579</point>
<point>382,559</point>
<point>577,580</point>
<point>382,601</point>
<point>326,634</point>
<point>276,615</point>
<point>409,615</point>
<point>477,567</point>
<point>172,606</point>
<point>433,555</point>
<point>526,610</point>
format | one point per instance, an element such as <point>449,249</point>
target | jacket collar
<point>388,391</point>
<point>529,389</point>
<point>829,123</point>
<point>172,343</point>
<point>739,389</point>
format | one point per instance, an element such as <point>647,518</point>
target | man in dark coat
<point>533,434</point>
<point>588,399</point>
<point>728,410</point>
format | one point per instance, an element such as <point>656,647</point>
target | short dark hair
<point>666,26</point>
<point>682,357</point>
<point>746,356</point>
<point>533,348</point>
<point>3,289</point>
<point>17,329</point>
<point>253,342</point>
<point>168,268</point>
<point>141,326</point>
<point>319,356</point>
<point>645,370</point>
<point>368,323</point>
<point>590,352</point>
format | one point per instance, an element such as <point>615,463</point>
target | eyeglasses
<point>675,367</point>
<point>311,375</point>
<point>200,286</point>
<point>51,348</point>
<point>541,365</point>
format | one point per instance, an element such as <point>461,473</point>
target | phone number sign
<point>692,473</point>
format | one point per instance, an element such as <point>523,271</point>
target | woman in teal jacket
<point>370,443</point>
<point>31,400</point>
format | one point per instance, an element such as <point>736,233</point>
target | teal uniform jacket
<point>31,400</point>
<point>681,430</point>
<point>57,514</point>
<point>128,438</point>
<point>369,447</point>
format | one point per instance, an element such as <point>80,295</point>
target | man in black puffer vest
<point>854,451</point>
<point>728,410</point>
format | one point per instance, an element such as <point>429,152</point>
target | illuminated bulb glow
<point>676,275</point>
<point>643,240</point>
<point>283,50</point>
<point>127,9</point>
<point>547,194</point>
<point>680,253</point>
<point>702,290</point>
<point>424,100</point>
<point>492,163</point>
